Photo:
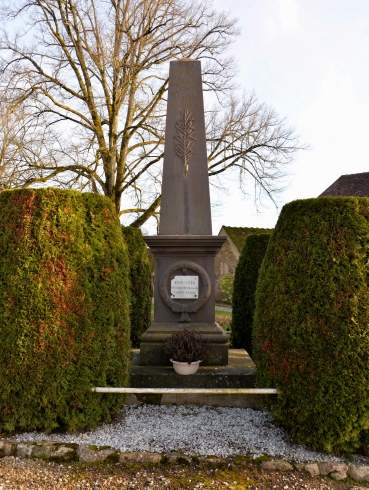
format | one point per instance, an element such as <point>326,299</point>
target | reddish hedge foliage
<point>64,309</point>
<point>311,323</point>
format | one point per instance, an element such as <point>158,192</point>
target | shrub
<point>224,321</point>
<point>226,285</point>
<point>244,287</point>
<point>140,277</point>
<point>186,346</point>
<point>64,309</point>
<point>311,324</point>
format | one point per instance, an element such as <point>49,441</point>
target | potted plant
<point>186,349</point>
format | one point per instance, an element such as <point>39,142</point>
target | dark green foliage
<point>311,324</point>
<point>141,290</point>
<point>64,309</point>
<point>244,287</point>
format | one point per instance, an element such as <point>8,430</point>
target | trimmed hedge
<point>244,287</point>
<point>141,286</point>
<point>64,309</point>
<point>311,324</point>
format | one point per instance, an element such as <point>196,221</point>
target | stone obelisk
<point>185,248</point>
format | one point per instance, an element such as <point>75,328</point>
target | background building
<point>227,258</point>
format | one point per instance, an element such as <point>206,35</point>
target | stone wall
<point>225,263</point>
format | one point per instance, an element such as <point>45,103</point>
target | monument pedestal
<point>178,256</point>
<point>239,373</point>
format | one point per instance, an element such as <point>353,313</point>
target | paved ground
<point>223,308</point>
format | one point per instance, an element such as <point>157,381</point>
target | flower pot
<point>185,368</point>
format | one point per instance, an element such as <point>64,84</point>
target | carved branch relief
<point>185,139</point>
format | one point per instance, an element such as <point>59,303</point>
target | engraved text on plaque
<point>184,287</point>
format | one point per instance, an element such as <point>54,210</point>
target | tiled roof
<point>349,185</point>
<point>239,234</point>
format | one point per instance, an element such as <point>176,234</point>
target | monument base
<point>240,373</point>
<point>152,343</point>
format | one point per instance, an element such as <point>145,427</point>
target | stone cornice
<point>185,244</point>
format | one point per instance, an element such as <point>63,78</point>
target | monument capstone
<point>185,248</point>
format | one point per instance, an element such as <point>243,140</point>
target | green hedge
<point>244,287</point>
<point>64,309</point>
<point>311,324</point>
<point>141,286</point>
<point>226,286</point>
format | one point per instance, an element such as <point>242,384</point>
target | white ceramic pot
<point>185,368</point>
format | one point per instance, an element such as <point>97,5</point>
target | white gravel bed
<point>217,431</point>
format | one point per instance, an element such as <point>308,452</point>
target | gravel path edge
<point>68,452</point>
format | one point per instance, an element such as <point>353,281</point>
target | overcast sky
<point>309,59</point>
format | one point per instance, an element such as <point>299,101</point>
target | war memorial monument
<point>184,250</point>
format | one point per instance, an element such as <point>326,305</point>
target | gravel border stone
<point>150,434</point>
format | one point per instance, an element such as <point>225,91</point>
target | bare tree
<point>25,147</point>
<point>250,140</point>
<point>97,71</point>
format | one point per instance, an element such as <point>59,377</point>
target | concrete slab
<point>239,373</point>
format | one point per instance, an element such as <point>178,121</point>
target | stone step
<point>239,373</point>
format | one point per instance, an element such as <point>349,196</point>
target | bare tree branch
<point>84,85</point>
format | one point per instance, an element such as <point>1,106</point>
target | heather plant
<point>140,282</point>
<point>311,323</point>
<point>186,346</point>
<point>64,309</point>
